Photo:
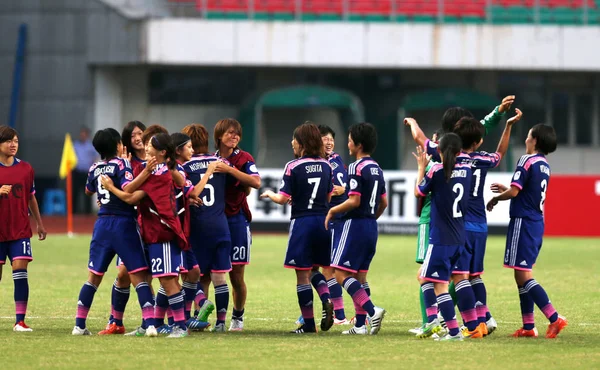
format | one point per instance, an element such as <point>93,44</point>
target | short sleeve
<point>354,181</point>
<point>286,182</point>
<point>383,187</point>
<point>431,149</point>
<point>425,186</point>
<point>486,160</point>
<point>90,185</point>
<point>125,176</point>
<point>520,176</point>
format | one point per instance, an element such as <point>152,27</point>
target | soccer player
<point>470,265</point>
<point>354,246</point>
<point>161,228</point>
<point>448,184</point>
<point>17,198</point>
<point>527,192</point>
<point>449,119</point>
<point>210,235</point>
<point>340,178</point>
<point>115,232</point>
<point>307,180</point>
<point>191,269</point>
<point>227,136</point>
<point>133,150</point>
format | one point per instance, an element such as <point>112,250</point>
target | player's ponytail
<point>163,142</point>
<point>450,146</point>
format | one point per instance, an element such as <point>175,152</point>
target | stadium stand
<point>447,11</point>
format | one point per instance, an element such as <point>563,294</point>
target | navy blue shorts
<point>165,259</point>
<point>354,243</point>
<point>19,249</point>
<point>241,239</point>
<point>188,261</point>
<point>213,253</point>
<point>523,243</point>
<point>476,242</point>
<point>439,262</point>
<point>116,235</point>
<point>309,243</point>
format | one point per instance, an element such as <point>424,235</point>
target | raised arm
<point>505,139</point>
<point>416,131</point>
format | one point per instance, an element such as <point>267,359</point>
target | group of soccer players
<point>172,210</point>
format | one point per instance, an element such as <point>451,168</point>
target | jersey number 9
<point>103,194</point>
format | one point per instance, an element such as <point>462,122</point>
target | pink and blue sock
<point>176,304</point>
<point>446,307</point>
<point>119,299</point>
<point>305,301</point>
<point>466,304</point>
<point>431,307</point>
<point>221,302</point>
<point>200,299</point>
<point>539,296</point>
<point>146,301</point>
<point>320,284</point>
<point>86,297</point>
<point>21,294</point>
<point>359,296</point>
<point>367,288</point>
<point>483,314</point>
<point>162,304</point>
<point>335,290</point>
<point>527,306</point>
<point>190,290</point>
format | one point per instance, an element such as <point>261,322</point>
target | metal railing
<point>439,11</point>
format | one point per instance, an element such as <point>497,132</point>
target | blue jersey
<point>340,178</point>
<point>210,216</point>
<point>449,202</point>
<point>531,177</point>
<point>481,162</point>
<point>120,172</point>
<point>308,181</point>
<point>181,193</point>
<point>365,178</point>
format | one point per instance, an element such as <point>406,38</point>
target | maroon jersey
<point>158,210</point>
<point>14,207</point>
<point>137,165</point>
<point>235,192</point>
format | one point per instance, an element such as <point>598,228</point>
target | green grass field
<point>567,268</point>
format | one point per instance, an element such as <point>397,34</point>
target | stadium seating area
<point>471,11</point>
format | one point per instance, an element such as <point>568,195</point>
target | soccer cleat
<point>139,332</point>
<point>204,312</point>
<point>474,334</point>
<point>430,328</point>
<point>556,327</point>
<point>327,318</point>
<point>376,320</point>
<point>483,328</point>
<point>178,332</point>
<point>449,338</point>
<point>300,321</point>
<point>344,321</point>
<point>362,330</point>
<point>112,328</point>
<point>164,329</point>
<point>21,327</point>
<point>304,330</point>
<point>236,324</point>
<point>522,333</point>
<point>219,328</point>
<point>416,331</point>
<point>79,331</point>
<point>491,325</point>
<point>196,325</point>
<point>151,331</point>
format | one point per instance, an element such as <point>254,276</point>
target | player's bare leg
<point>21,293</point>
<point>239,293</point>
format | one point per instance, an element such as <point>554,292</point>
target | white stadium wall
<point>371,45</point>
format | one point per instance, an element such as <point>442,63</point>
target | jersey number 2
<point>460,191</point>
<point>544,186</point>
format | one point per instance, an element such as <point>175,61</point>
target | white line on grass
<point>274,319</point>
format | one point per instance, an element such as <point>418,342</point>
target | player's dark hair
<point>545,138</point>
<point>7,133</point>
<point>151,131</point>
<point>364,134</point>
<point>199,136</point>
<point>450,146</point>
<point>307,135</point>
<point>105,142</point>
<point>223,126</point>
<point>162,141</point>
<point>179,140</point>
<point>128,131</point>
<point>326,130</point>
<point>470,131</point>
<point>451,116</point>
